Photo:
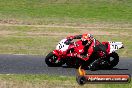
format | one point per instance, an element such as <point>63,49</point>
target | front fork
<point>61,55</point>
<point>56,52</point>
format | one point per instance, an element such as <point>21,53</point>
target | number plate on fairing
<point>62,46</point>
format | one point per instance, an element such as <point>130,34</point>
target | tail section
<point>115,46</point>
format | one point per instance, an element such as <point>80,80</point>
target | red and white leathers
<point>88,48</point>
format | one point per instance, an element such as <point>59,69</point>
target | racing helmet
<point>87,39</point>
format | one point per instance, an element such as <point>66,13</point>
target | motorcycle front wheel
<point>51,59</point>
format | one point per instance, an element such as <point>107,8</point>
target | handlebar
<point>69,41</point>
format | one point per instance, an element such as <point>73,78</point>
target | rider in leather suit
<point>91,45</point>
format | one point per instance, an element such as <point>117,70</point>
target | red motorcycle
<point>65,48</point>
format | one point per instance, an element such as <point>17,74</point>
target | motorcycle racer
<point>84,51</point>
<point>91,45</point>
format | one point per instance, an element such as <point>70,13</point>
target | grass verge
<point>42,40</point>
<point>65,11</point>
<point>45,81</point>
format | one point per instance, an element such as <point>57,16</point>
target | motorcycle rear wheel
<point>112,60</point>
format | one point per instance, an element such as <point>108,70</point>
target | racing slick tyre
<point>112,60</point>
<point>51,59</point>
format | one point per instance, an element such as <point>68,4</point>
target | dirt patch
<point>102,32</point>
<point>48,34</point>
<point>4,32</point>
<point>95,29</point>
<point>96,25</point>
<point>67,34</point>
<point>9,22</point>
<point>96,32</point>
<point>13,22</point>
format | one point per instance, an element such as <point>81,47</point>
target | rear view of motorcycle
<point>112,58</point>
<point>65,54</point>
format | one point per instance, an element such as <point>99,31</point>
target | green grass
<point>30,40</point>
<point>45,81</point>
<point>66,11</point>
<point>42,40</point>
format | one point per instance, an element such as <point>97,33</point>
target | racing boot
<point>94,65</point>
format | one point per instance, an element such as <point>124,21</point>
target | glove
<point>70,37</point>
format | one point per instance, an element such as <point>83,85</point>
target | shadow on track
<point>98,69</point>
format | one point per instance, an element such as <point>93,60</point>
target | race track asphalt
<point>30,64</point>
